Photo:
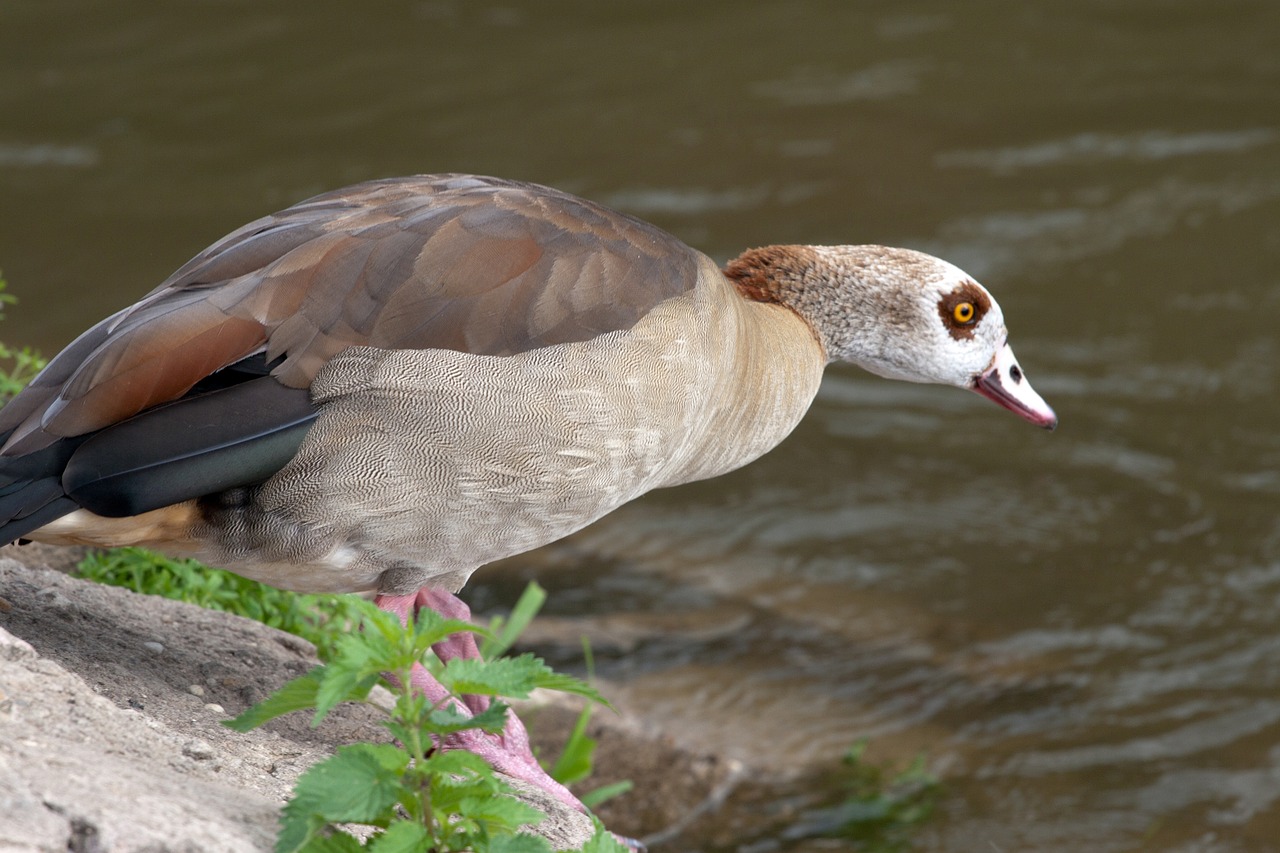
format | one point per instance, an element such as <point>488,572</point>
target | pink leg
<point>461,645</point>
<point>508,752</point>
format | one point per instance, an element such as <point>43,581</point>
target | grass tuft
<point>321,619</point>
<point>17,366</point>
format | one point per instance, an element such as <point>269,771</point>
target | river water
<point>1080,630</point>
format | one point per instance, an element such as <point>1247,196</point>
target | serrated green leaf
<point>604,841</point>
<point>392,757</point>
<point>355,669</point>
<point>448,718</point>
<point>502,811</point>
<point>401,837</point>
<point>455,768</point>
<point>337,842</point>
<point>431,628</point>
<point>461,778</point>
<point>444,721</point>
<point>398,645</point>
<point>384,622</point>
<point>519,843</point>
<point>448,802</point>
<point>374,644</point>
<point>401,733</point>
<point>297,828</point>
<point>357,784</point>
<point>363,649</point>
<point>346,678</point>
<point>552,680</point>
<point>297,695</point>
<point>514,677</point>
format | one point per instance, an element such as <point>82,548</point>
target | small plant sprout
<point>414,795</point>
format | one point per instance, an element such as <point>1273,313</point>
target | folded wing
<point>477,265</point>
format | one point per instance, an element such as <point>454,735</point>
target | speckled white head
<point>897,313</point>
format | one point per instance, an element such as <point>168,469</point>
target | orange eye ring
<point>963,313</point>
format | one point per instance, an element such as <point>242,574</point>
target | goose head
<point>896,313</point>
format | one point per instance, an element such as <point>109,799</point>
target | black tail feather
<point>235,432</point>
<point>18,526</point>
<point>196,446</point>
<point>31,493</point>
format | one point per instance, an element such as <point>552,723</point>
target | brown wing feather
<point>449,262</point>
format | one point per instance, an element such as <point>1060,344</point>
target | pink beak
<point>1004,384</point>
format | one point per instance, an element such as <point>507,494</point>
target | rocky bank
<point>111,735</point>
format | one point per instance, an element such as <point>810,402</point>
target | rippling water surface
<point>1079,630</point>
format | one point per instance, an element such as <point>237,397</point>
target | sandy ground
<point>111,706</point>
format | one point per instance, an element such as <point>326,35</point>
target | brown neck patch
<point>968,292</point>
<point>763,275</point>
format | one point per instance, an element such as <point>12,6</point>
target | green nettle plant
<point>320,619</point>
<point>883,806</point>
<point>19,366</point>
<point>413,796</point>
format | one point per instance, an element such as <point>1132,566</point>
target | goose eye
<point>962,309</point>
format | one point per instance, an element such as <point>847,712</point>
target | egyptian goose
<point>382,388</point>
